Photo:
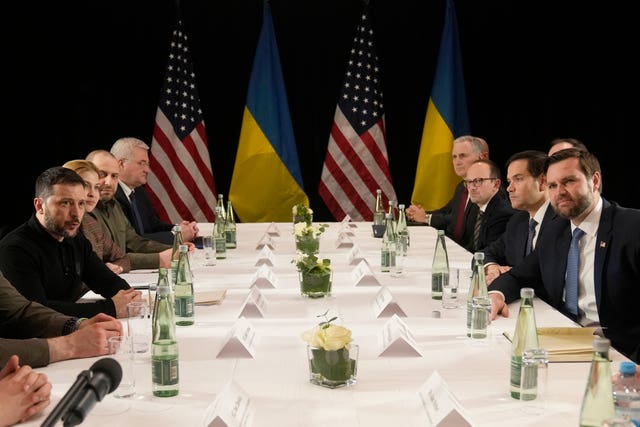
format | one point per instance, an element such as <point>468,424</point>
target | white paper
<point>384,305</point>
<point>396,339</point>
<point>265,240</point>
<point>347,220</point>
<point>240,341</point>
<point>232,408</point>
<point>254,304</point>
<point>265,257</point>
<point>264,277</point>
<point>442,408</point>
<point>344,241</point>
<point>362,275</point>
<point>355,255</point>
<point>272,230</point>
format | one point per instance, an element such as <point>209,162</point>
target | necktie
<point>573,267</point>
<point>137,219</point>
<point>457,231</point>
<point>532,233</point>
<point>476,230</point>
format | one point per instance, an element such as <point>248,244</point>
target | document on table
<point>210,297</point>
<point>566,344</point>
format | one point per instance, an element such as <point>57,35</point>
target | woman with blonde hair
<point>103,245</point>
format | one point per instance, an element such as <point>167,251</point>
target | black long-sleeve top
<point>52,272</point>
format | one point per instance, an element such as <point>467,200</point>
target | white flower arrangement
<point>328,336</point>
<point>302,229</point>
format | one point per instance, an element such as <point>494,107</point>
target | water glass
<point>480,317</point>
<point>121,349</point>
<point>139,326</point>
<point>533,381</point>
<point>209,248</point>
<point>401,254</point>
<point>450,290</point>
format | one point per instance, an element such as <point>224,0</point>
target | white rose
<point>330,338</point>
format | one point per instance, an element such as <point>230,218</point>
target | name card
<point>397,340</point>
<point>232,408</point>
<point>345,229</point>
<point>272,229</point>
<point>355,255</point>
<point>384,304</point>
<point>265,257</point>
<point>362,275</point>
<point>344,241</point>
<point>264,278</point>
<point>347,221</point>
<point>442,408</point>
<point>254,304</point>
<point>265,240</point>
<point>240,341</point>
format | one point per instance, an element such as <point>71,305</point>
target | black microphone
<point>90,387</point>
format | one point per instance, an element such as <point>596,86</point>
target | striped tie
<point>476,230</point>
<point>532,233</point>
<point>573,267</point>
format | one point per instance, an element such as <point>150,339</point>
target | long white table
<point>276,379</point>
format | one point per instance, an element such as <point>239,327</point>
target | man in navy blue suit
<point>133,160</point>
<point>608,270</point>
<point>527,189</point>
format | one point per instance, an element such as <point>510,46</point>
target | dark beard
<point>582,204</point>
<point>53,228</point>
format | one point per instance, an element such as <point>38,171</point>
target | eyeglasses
<point>476,182</point>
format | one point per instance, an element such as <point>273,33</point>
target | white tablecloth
<point>276,379</point>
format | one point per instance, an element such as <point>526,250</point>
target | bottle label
<point>231,238</point>
<point>516,371</point>
<point>164,370</point>
<point>184,306</point>
<point>387,259</point>
<point>221,248</point>
<point>438,280</point>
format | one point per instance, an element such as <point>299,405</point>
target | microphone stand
<point>68,400</point>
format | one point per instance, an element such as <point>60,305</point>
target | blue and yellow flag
<point>266,181</point>
<point>446,120</point>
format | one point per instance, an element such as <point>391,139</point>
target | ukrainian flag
<point>446,120</point>
<point>266,181</point>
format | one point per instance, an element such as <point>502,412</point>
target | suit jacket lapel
<point>603,241</point>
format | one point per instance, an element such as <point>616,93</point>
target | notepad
<point>566,344</point>
<point>210,297</point>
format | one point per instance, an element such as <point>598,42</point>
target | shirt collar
<point>540,213</point>
<point>127,190</point>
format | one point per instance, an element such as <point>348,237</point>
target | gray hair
<point>122,149</point>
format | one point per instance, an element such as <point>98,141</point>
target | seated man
<point>133,159</point>
<point>39,335</point>
<point>588,267</point>
<point>143,252</point>
<point>528,193</point>
<point>50,262</point>
<point>489,212</point>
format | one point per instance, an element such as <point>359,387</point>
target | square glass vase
<point>315,285</point>
<point>333,368</point>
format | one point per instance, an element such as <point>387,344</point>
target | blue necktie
<point>532,233</point>
<point>573,267</point>
<point>136,214</point>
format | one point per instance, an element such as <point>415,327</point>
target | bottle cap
<point>478,256</point>
<point>601,344</point>
<point>627,368</point>
<point>526,293</point>
<point>401,206</point>
<point>176,228</point>
<point>183,248</point>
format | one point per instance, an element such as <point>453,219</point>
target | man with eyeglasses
<point>492,211</point>
<point>133,159</point>
<point>466,150</point>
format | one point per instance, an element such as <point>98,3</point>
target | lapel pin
<point>603,244</point>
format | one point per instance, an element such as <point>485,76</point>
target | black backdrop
<point>79,76</point>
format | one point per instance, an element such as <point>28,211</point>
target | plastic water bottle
<point>626,393</point>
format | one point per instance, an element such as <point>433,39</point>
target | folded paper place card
<point>384,304</point>
<point>272,229</point>
<point>346,230</point>
<point>264,278</point>
<point>344,241</point>
<point>347,221</point>
<point>355,255</point>
<point>442,408</point>
<point>265,257</point>
<point>396,339</point>
<point>265,240</point>
<point>232,408</point>
<point>240,342</point>
<point>254,305</point>
<point>209,297</point>
<point>362,275</point>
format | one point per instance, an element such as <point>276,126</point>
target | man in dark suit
<point>489,213</point>
<point>596,280</point>
<point>133,160</point>
<point>451,217</point>
<point>528,194</point>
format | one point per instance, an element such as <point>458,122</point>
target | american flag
<point>180,182</point>
<point>356,163</point>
